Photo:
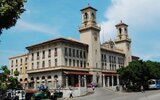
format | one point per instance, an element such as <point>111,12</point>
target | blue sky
<point>48,19</point>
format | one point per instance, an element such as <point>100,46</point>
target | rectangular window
<point>16,62</point>
<point>21,61</point>
<point>73,62</point>
<point>32,65</point>
<point>78,63</point>
<point>66,62</point>
<point>81,64</point>
<point>43,54</point>
<point>32,57</point>
<point>26,70</point>
<point>65,52</point>
<point>84,64</point>
<point>55,52</point>
<point>73,52</point>
<point>70,52</point>
<point>21,70</point>
<point>80,54</point>
<point>12,63</point>
<point>70,61</point>
<point>77,53</point>
<point>37,55</point>
<point>55,62</point>
<point>49,53</point>
<point>43,64</point>
<point>49,63</point>
<point>37,65</point>
<point>26,59</point>
<point>84,54</point>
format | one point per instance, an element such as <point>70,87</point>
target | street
<point>105,94</point>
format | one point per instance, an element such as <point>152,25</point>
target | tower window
<point>92,16</point>
<point>120,30</point>
<point>85,16</point>
<point>125,30</point>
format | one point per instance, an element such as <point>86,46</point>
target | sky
<point>49,19</point>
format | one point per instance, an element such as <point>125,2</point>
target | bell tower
<point>89,34</point>
<point>123,41</point>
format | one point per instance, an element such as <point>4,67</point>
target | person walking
<point>93,88</point>
<point>142,88</point>
<point>70,94</point>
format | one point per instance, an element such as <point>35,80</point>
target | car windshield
<point>151,82</point>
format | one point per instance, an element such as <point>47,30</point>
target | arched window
<point>85,16</point>
<point>92,16</point>
<point>25,79</point>
<point>37,78</point>
<point>120,30</point>
<point>125,30</point>
<point>32,78</point>
<point>43,77</point>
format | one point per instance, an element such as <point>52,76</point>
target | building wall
<point>19,63</point>
<point>75,56</point>
<point>44,57</point>
<point>111,61</point>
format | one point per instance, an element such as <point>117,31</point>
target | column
<point>66,81</point>
<point>35,84</point>
<point>79,80</point>
<point>27,84</point>
<point>104,81</point>
<point>53,82</point>
<point>112,81</point>
<point>108,81</point>
<point>85,82</point>
<point>117,79</point>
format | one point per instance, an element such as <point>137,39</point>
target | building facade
<point>64,62</point>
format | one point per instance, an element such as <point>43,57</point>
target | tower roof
<point>120,24</point>
<point>88,7</point>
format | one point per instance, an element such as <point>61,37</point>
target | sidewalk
<point>151,97</point>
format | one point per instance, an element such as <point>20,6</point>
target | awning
<point>30,90</point>
<point>76,73</point>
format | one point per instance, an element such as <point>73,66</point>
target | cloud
<point>41,28</point>
<point>143,19</point>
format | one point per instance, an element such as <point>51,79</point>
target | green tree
<point>10,11</point>
<point>7,81</point>
<point>16,73</point>
<point>138,73</point>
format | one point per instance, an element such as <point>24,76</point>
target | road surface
<point>105,94</point>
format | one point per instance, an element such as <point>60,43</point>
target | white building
<point>68,62</point>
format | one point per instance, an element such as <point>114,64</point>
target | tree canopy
<point>10,11</point>
<point>138,73</point>
<point>7,81</point>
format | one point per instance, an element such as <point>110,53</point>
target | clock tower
<point>89,34</point>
